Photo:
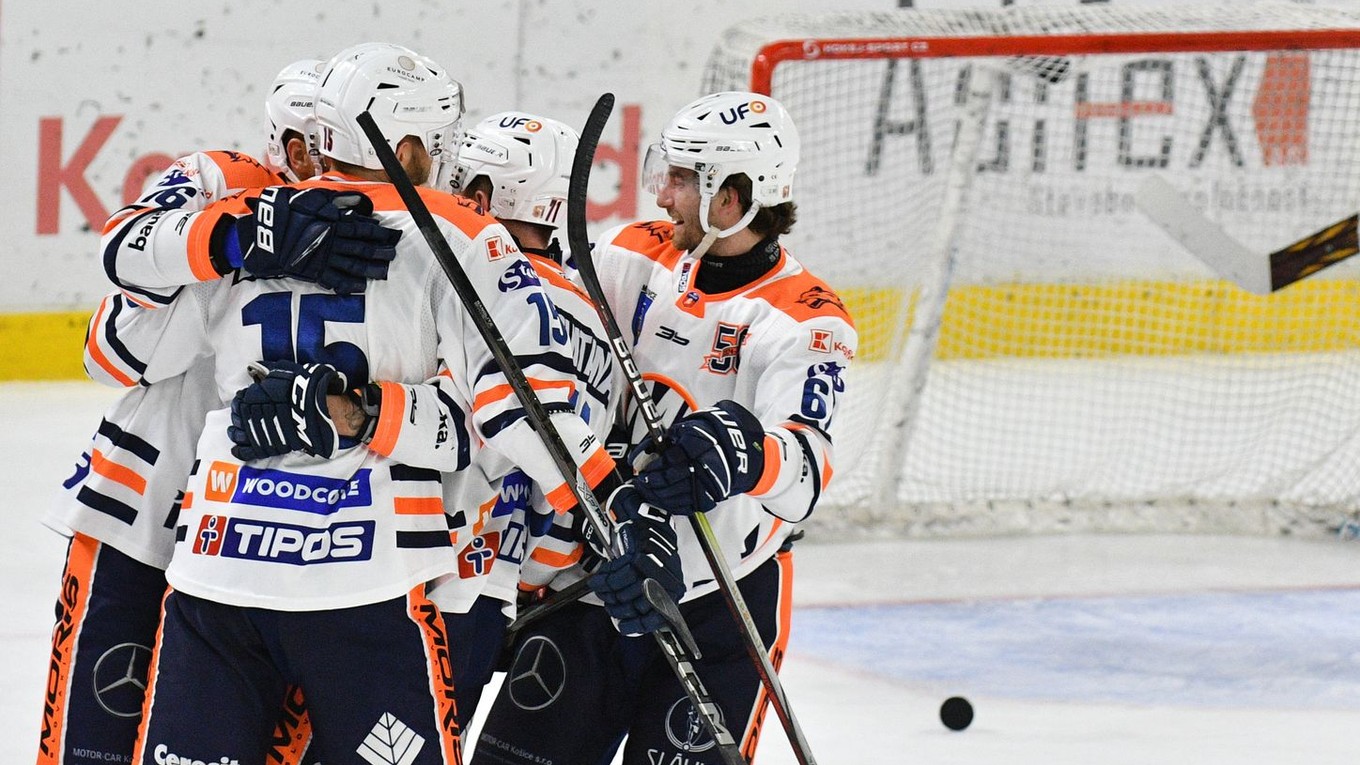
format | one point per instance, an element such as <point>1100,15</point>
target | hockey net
<point>1035,355</point>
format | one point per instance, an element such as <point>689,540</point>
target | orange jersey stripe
<point>389,418</point>
<point>496,393</point>
<point>773,528</point>
<point>555,559</point>
<point>597,466</point>
<point>562,499</point>
<point>200,245</point>
<point>770,472</point>
<point>200,233</point>
<point>675,386</point>
<point>418,505</point>
<point>92,343</point>
<point>116,472</point>
<point>138,301</point>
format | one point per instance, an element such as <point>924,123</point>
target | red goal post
<point>1036,354</point>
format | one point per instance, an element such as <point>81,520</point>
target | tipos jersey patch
<point>271,542</point>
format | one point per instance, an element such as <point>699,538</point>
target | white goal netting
<point>1071,366</point>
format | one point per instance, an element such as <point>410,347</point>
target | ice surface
<point>1073,649</point>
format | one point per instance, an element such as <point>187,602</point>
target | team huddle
<point>318,520</point>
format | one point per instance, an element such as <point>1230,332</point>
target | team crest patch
<point>817,297</point>
<point>822,341</point>
<point>725,357</point>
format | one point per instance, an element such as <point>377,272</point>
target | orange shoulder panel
<point>241,171</point>
<point>551,273</point>
<point>652,240</point>
<point>461,212</point>
<point>803,296</point>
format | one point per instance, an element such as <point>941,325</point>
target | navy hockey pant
<point>377,680</point>
<point>576,687</point>
<point>107,613</point>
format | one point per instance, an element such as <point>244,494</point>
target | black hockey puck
<point>956,713</point>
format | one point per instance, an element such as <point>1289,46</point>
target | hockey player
<point>303,554</point>
<point>516,166</point>
<point>120,505</point>
<point>745,352</point>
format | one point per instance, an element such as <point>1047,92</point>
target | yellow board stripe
<point>1141,318</point>
<point>42,346</point>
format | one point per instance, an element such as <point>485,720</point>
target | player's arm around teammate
<point>744,352</point>
<point>312,559</point>
<point>121,504</point>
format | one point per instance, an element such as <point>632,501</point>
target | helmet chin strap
<point>712,234</point>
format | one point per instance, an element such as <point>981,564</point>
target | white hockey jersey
<point>516,540</point>
<point>301,533</point>
<point>778,346</point>
<point>126,488</point>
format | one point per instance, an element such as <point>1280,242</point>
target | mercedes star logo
<point>120,679</point>
<point>538,675</point>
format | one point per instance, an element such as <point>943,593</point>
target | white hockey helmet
<point>407,94</point>
<point>290,105</point>
<point>726,134</point>
<point>528,160</point>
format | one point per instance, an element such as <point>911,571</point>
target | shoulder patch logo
<point>495,248</point>
<point>817,297</point>
<point>822,341</point>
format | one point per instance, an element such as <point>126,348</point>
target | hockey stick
<point>1230,259</point>
<point>675,639</point>
<point>554,602</point>
<point>580,248</point>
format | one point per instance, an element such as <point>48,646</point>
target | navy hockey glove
<point>316,235</point>
<point>285,411</point>
<point>650,551</point>
<point>710,455</point>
